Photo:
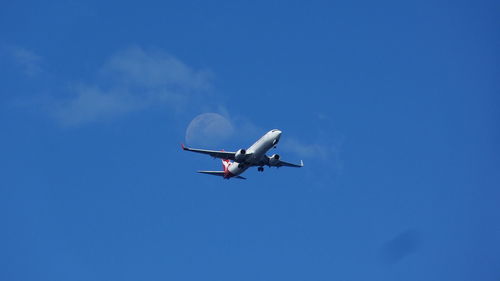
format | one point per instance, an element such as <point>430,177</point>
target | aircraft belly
<point>259,152</point>
<point>235,170</point>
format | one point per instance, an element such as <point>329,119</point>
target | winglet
<point>183,147</point>
<point>301,163</point>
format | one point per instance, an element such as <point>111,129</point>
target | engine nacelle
<point>240,156</point>
<point>273,160</point>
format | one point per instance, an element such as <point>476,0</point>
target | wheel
<point>260,169</point>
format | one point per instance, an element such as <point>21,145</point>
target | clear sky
<point>394,106</point>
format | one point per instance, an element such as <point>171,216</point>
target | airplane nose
<point>276,133</point>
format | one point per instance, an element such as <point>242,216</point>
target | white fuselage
<point>256,153</point>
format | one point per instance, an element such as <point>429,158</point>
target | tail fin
<point>225,164</point>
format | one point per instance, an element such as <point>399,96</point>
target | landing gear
<point>260,169</point>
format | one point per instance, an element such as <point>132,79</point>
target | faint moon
<point>209,129</point>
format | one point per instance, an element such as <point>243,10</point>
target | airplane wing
<point>286,164</point>
<point>218,173</point>
<point>213,153</point>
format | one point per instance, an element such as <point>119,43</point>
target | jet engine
<point>240,156</point>
<point>273,160</point>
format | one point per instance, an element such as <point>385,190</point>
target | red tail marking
<point>225,165</point>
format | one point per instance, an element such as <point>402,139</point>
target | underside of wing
<point>279,163</point>
<point>214,153</point>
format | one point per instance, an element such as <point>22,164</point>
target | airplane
<point>243,159</point>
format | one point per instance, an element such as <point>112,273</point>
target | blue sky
<point>393,106</point>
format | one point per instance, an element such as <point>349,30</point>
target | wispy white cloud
<point>323,151</point>
<point>91,103</point>
<point>155,69</point>
<point>307,150</point>
<point>131,80</point>
<point>320,150</point>
<point>29,62</point>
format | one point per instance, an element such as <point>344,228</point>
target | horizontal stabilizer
<point>218,173</point>
<point>214,173</point>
